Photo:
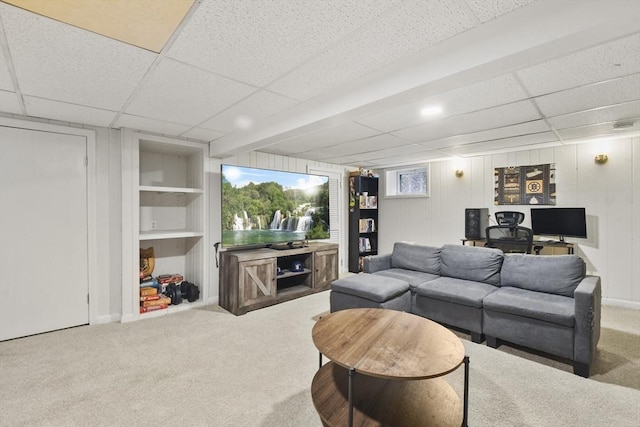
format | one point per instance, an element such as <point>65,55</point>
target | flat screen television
<point>263,207</point>
<point>562,222</point>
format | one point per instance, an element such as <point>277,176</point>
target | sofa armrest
<point>375,263</point>
<point>587,296</point>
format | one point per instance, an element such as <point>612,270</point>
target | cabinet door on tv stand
<point>257,281</point>
<point>326,265</point>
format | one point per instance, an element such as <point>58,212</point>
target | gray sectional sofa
<point>546,303</point>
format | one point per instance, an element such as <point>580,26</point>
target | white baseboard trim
<point>621,303</point>
<point>109,318</point>
<point>213,300</point>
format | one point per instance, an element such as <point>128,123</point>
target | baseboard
<point>109,318</point>
<point>621,303</point>
<point>213,300</point>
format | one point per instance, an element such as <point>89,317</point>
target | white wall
<point>610,193</point>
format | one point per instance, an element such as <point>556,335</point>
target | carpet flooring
<point>206,367</point>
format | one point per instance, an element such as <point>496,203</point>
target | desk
<point>548,248</point>
<point>399,358</point>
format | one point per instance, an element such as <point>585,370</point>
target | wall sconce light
<point>601,159</point>
<point>459,173</point>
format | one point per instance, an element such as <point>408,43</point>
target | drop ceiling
<point>337,81</point>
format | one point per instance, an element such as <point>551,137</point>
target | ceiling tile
<point>389,152</point>
<point>9,102</point>
<point>149,125</point>
<point>58,61</point>
<point>250,110</point>
<point>202,134</point>
<point>536,126</point>
<point>617,91</point>
<point>506,144</point>
<point>590,131</point>
<point>504,115</point>
<point>261,40</point>
<point>499,90</point>
<point>38,107</point>
<point>407,29</point>
<point>323,138</point>
<point>5,77</point>
<point>350,148</point>
<point>610,60</point>
<point>598,115</point>
<point>182,94</point>
<point>488,10</point>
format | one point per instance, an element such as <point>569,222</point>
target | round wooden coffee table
<point>386,349</point>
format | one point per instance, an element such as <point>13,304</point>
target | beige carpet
<point>206,367</point>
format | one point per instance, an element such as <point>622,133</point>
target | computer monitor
<point>562,222</point>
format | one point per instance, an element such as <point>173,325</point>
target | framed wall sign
<point>525,185</point>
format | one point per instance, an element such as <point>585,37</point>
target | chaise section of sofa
<point>468,275</point>
<point>547,303</point>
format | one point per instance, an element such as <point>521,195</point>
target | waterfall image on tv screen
<point>262,206</point>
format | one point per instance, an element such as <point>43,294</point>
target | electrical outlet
<point>154,224</point>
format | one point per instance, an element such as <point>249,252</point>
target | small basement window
<point>409,182</point>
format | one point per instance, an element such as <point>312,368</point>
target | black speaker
<point>476,222</point>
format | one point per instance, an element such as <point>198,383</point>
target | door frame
<point>92,247</point>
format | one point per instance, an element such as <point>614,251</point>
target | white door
<point>43,232</point>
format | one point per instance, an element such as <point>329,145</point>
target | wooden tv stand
<point>249,279</point>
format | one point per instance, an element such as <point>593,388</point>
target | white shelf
<point>179,190</point>
<point>169,234</point>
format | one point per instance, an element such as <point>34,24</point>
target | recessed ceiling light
<point>431,111</point>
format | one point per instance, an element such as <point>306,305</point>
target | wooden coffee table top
<point>388,344</point>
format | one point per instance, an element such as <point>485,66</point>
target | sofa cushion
<point>370,286</point>
<point>478,264</point>
<point>454,290</point>
<point>554,274</point>
<point>413,278</point>
<point>552,308</point>
<point>416,257</point>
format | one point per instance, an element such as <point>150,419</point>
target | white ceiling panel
<point>192,97</point>
<point>490,93</point>
<point>597,115</point>
<point>622,90</point>
<point>374,143</point>
<point>9,102</point>
<point>5,77</point>
<point>601,129</point>
<point>249,111</point>
<point>202,134</point>
<point>150,125</point>
<point>536,126</point>
<point>57,61</point>
<point>388,152</point>
<point>487,10</point>
<point>407,29</point>
<point>322,138</point>
<point>261,40</point>
<point>610,60</point>
<point>408,159</point>
<point>507,144</point>
<point>38,107</point>
<point>505,115</point>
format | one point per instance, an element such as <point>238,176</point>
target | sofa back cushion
<point>471,263</point>
<point>416,257</point>
<point>553,274</point>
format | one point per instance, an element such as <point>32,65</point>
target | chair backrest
<point>510,239</point>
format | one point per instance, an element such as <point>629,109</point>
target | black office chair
<point>511,239</point>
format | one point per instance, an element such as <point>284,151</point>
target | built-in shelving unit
<point>169,204</point>
<point>363,219</point>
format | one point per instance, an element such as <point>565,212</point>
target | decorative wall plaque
<point>525,185</point>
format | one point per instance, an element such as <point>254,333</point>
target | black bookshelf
<point>363,220</point>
